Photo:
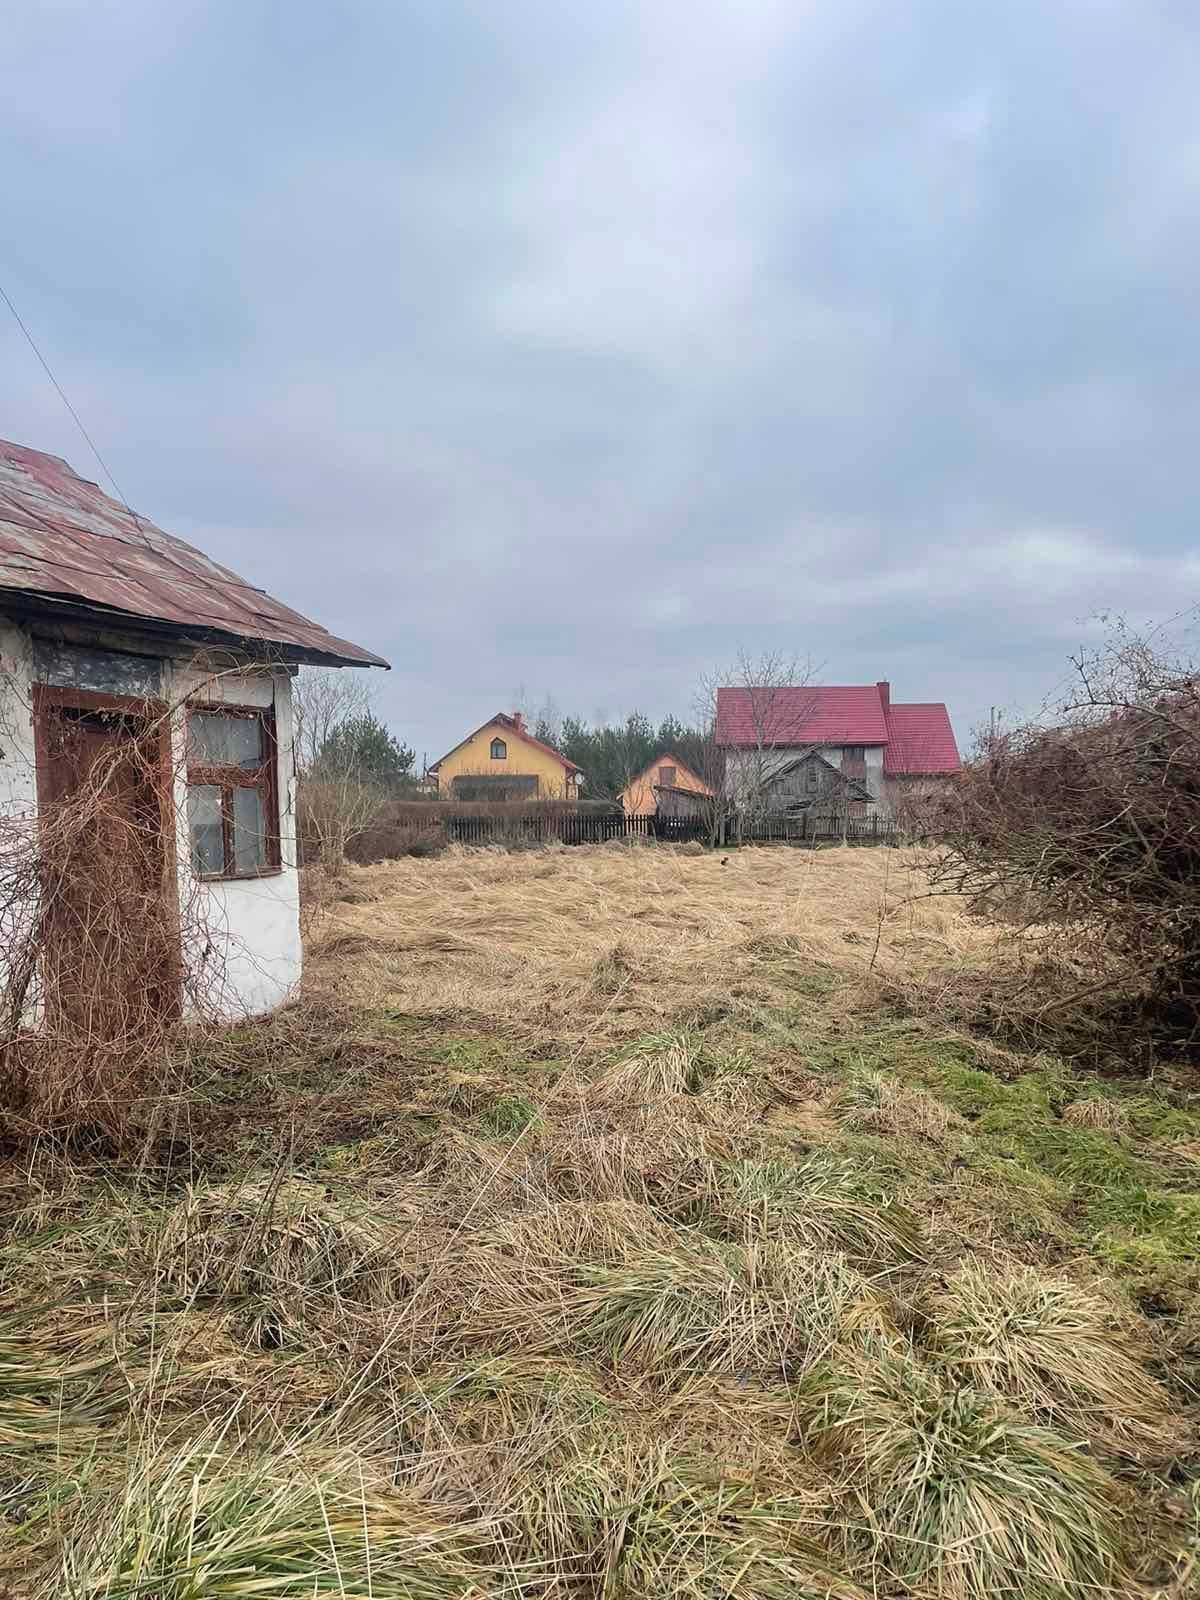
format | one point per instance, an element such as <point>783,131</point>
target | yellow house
<point>503,762</point>
<point>639,798</point>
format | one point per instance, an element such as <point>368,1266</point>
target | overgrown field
<point>621,1223</point>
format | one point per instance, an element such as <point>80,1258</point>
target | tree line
<point>611,754</point>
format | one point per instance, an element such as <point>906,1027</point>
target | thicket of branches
<point>349,762</point>
<point>101,955</point>
<point>1094,823</point>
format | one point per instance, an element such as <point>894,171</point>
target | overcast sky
<point>571,344</point>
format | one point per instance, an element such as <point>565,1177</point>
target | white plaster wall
<point>874,760</point>
<point>746,769</point>
<point>241,935</point>
<point>18,777</point>
<point>18,765</point>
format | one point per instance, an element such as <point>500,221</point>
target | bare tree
<point>323,700</point>
<point>336,800</point>
<point>547,724</point>
<point>770,694</point>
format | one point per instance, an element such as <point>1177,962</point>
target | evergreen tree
<point>365,749</point>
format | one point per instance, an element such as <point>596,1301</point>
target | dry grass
<point>653,1286</point>
<point>591,943</point>
<point>1060,1352</point>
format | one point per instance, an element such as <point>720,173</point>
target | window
<point>499,750</point>
<point>812,777</point>
<point>666,777</point>
<point>233,819</point>
<point>500,788</point>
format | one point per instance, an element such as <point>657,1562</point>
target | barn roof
<point>67,548</point>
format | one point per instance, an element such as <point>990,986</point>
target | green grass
<point>508,1116</point>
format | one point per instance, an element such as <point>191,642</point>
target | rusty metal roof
<point>66,547</point>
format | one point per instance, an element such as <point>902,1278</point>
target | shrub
<point>1095,824</point>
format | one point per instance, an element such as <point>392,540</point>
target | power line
<point>104,467</point>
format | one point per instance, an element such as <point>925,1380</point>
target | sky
<point>567,347</point>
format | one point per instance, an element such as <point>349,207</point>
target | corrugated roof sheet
<point>839,714</point>
<point>920,743</point>
<point>917,740</point>
<point>64,541</point>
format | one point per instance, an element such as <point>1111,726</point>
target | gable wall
<point>638,798</point>
<point>473,759</point>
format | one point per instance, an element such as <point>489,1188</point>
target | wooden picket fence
<point>591,827</point>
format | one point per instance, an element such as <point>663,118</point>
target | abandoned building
<point>136,669</point>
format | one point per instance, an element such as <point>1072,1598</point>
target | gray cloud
<point>573,346</point>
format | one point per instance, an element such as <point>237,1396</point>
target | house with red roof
<point>805,747</point>
<point>502,762</point>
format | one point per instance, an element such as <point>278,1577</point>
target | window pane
<point>204,827</point>
<point>218,740</point>
<point>249,836</point>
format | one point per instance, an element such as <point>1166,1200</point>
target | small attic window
<point>499,750</point>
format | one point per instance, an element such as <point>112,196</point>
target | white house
<point>132,664</point>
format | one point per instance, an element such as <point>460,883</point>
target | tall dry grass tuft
<point>206,1520</point>
<point>660,1067</point>
<point>942,1491</point>
<point>816,1200</point>
<point>271,1244</point>
<point>1058,1352</point>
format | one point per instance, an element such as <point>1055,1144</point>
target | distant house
<point>502,762</point>
<point>668,786</point>
<point>146,702</point>
<point>831,748</point>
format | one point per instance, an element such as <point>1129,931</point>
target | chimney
<point>885,695</point>
<point>518,721</point>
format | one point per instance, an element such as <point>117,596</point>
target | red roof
<point>921,741</point>
<point>916,739</point>
<point>512,726</point>
<point>66,547</point>
<point>801,715</point>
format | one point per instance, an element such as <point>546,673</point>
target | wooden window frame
<point>502,755</point>
<point>264,778</point>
